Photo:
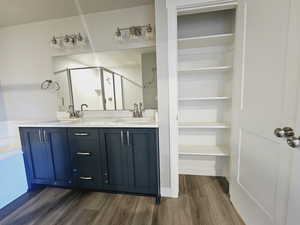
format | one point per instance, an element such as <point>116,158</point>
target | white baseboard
<point>168,192</point>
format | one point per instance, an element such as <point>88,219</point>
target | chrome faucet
<point>137,110</point>
<point>140,112</point>
<point>72,113</point>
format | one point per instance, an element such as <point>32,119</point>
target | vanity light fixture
<point>144,32</point>
<point>69,41</point>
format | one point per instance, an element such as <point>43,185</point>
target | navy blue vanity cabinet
<point>102,159</point>
<point>57,142</point>
<point>85,153</point>
<point>46,156</point>
<point>130,160</point>
<point>115,159</point>
<point>37,155</point>
<point>143,160</point>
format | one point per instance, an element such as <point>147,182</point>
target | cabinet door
<point>114,159</point>
<point>57,144</point>
<point>37,157</point>
<point>143,161</point>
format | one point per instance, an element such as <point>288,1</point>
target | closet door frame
<point>174,8</point>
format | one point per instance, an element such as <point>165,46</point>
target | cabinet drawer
<point>86,172</point>
<point>84,148</point>
<point>88,181</point>
<point>83,133</point>
<point>84,145</point>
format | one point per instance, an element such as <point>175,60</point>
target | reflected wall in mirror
<point>112,80</point>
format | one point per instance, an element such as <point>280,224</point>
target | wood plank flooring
<point>201,202</point>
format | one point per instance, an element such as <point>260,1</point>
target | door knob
<point>293,142</point>
<point>284,132</point>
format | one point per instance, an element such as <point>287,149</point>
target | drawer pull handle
<point>85,178</point>
<point>40,136</point>
<point>128,138</point>
<point>81,134</point>
<point>122,137</point>
<point>84,153</point>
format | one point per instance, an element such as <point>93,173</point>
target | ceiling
<point>14,12</point>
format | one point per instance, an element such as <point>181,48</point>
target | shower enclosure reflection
<point>122,79</point>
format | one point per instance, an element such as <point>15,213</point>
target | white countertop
<point>103,122</point>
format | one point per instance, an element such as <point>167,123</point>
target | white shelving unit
<point>204,99</point>
<point>205,41</point>
<point>202,125</point>
<point>204,70</point>
<point>205,54</point>
<point>202,150</point>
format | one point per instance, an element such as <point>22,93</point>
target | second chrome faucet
<point>137,110</point>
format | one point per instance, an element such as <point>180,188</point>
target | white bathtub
<point>9,146</point>
<point>12,170</point>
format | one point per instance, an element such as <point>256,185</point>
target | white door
<point>266,82</point>
<point>293,217</point>
<point>294,194</point>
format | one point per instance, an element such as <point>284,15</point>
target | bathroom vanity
<point>110,156</point>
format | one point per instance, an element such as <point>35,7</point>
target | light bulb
<point>149,32</point>
<point>118,35</point>
<point>68,41</point>
<point>55,43</point>
<point>132,33</point>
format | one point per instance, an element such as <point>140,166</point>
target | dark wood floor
<point>201,202</point>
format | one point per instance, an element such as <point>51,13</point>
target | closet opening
<point>205,70</point>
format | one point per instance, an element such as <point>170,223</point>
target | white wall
<point>161,17</point>
<point>2,106</point>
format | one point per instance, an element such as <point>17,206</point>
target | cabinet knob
<point>106,181</point>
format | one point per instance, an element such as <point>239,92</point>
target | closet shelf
<point>202,150</point>
<point>204,99</point>
<point>202,125</point>
<point>205,41</point>
<point>204,69</point>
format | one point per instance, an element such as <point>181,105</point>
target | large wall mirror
<point>113,80</point>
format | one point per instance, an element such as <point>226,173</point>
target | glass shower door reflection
<point>108,83</point>
<point>86,87</point>
<point>119,92</point>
